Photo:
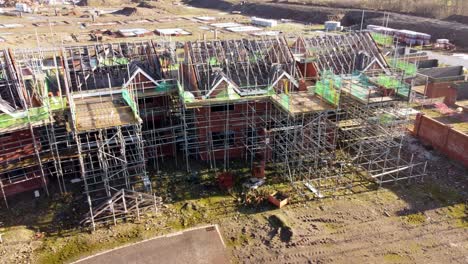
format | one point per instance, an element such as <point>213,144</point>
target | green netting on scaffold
<point>408,68</point>
<point>404,91</point>
<point>228,94</point>
<point>21,118</point>
<point>284,101</point>
<point>328,87</point>
<point>164,86</point>
<point>382,39</point>
<point>390,82</point>
<point>127,97</point>
<point>113,61</point>
<point>213,61</point>
<point>359,91</point>
<point>386,118</point>
<point>37,113</point>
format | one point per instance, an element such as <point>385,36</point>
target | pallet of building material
<point>278,199</point>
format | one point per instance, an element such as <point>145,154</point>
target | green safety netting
<point>213,61</point>
<point>359,91</point>
<point>386,118</point>
<point>164,86</point>
<point>390,82</point>
<point>271,91</point>
<point>34,114</point>
<point>228,93</point>
<point>382,39</point>
<point>188,96</point>
<point>24,117</point>
<point>113,61</point>
<point>255,57</point>
<point>185,95</point>
<point>128,98</point>
<point>284,101</point>
<point>408,68</point>
<point>404,91</point>
<point>328,87</point>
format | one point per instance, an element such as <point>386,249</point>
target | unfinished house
<point>25,113</point>
<point>106,84</point>
<point>227,86</point>
<point>350,72</point>
<point>344,111</point>
<point>324,115</point>
<point>84,113</point>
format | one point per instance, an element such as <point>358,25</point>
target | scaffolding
<point>24,155</point>
<point>105,86</point>
<point>110,116</point>
<point>373,134</point>
<point>341,54</point>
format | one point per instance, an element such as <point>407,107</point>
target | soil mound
<point>146,4</point>
<point>458,18</point>
<point>126,11</point>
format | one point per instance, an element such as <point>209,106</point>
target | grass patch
<point>332,226</point>
<point>17,234</point>
<point>442,194</point>
<point>242,239</point>
<point>393,258</point>
<point>460,213</point>
<point>214,200</point>
<point>64,249</point>
<point>415,219</point>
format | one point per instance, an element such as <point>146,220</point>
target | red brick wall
<point>209,122</point>
<point>16,145</point>
<point>157,120</point>
<point>28,185</point>
<point>442,137</point>
<point>443,89</point>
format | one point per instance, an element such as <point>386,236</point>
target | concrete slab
<point>200,245</point>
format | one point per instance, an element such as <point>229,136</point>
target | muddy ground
<point>410,222</point>
<point>455,31</point>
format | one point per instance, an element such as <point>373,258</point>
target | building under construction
<point>321,111</point>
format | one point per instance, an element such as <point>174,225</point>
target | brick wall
<point>442,137</point>
<point>16,145</point>
<point>209,122</point>
<point>442,89</point>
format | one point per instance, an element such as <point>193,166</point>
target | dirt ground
<point>412,222</point>
<point>454,31</point>
<point>74,25</point>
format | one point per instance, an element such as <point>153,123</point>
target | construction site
<point>321,110</point>
<point>322,114</point>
